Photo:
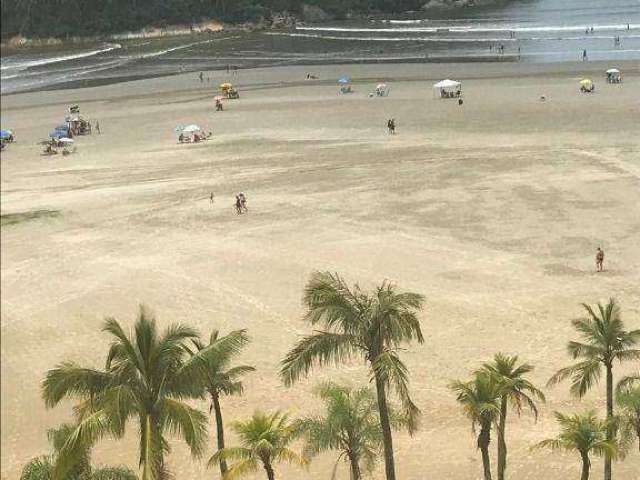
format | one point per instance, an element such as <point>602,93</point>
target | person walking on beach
<point>201,77</point>
<point>584,55</point>
<point>599,260</point>
<point>211,198</point>
<point>391,126</point>
<point>238,205</point>
<point>97,127</point>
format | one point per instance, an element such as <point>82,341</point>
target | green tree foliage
<point>147,378</point>
<point>218,378</point>
<point>605,341</point>
<point>372,326</point>
<point>515,390</point>
<point>61,18</point>
<point>42,468</point>
<point>628,418</point>
<point>265,441</point>
<point>480,401</point>
<point>584,434</point>
<point>350,426</point>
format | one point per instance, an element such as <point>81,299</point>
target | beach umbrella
<point>179,128</point>
<point>613,70</point>
<point>226,86</point>
<point>191,129</point>
<point>344,79</point>
<point>65,140</point>
<point>585,82</point>
<point>57,134</point>
<point>218,97</point>
<point>5,133</point>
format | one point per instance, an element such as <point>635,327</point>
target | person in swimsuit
<point>599,260</point>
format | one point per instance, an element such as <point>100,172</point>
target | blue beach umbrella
<point>5,134</point>
<point>344,79</point>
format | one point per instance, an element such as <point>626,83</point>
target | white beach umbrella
<point>191,128</point>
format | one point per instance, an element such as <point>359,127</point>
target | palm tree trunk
<point>145,454</point>
<point>269,469</point>
<point>586,464</point>
<point>355,467</point>
<point>607,458</point>
<point>484,438</point>
<point>387,440</point>
<point>219,430</point>
<point>502,444</point>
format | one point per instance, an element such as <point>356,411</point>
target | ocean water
<point>522,31</point>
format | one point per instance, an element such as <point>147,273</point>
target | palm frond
<point>390,369</point>
<point>187,422</point>
<point>70,380</point>
<point>320,348</point>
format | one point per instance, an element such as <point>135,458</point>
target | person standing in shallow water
<point>599,260</point>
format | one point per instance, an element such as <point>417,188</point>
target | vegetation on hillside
<point>63,18</point>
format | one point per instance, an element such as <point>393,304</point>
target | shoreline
<point>477,68</point>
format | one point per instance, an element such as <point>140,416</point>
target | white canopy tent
<point>447,88</point>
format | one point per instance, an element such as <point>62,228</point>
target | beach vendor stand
<point>614,76</point>
<point>447,89</point>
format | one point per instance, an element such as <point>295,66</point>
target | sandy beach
<point>493,210</point>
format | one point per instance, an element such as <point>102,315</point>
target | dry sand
<point>493,210</point>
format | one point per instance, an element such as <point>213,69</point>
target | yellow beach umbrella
<point>225,86</point>
<point>585,82</point>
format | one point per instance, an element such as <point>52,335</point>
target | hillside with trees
<point>65,18</point>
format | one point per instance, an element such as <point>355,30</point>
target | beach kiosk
<point>447,89</point>
<point>614,76</point>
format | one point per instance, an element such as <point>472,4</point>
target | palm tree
<point>515,390</point>
<point>628,420</point>
<point>147,377</point>
<point>350,426</point>
<point>219,379</point>
<point>265,441</point>
<point>480,400</point>
<point>582,433</point>
<point>605,341</point>
<point>41,468</point>
<point>372,326</point>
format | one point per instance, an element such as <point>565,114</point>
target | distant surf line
<point>66,58</point>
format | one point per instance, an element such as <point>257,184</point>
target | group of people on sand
<point>197,137</point>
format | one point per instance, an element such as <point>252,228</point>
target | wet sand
<point>493,210</point>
